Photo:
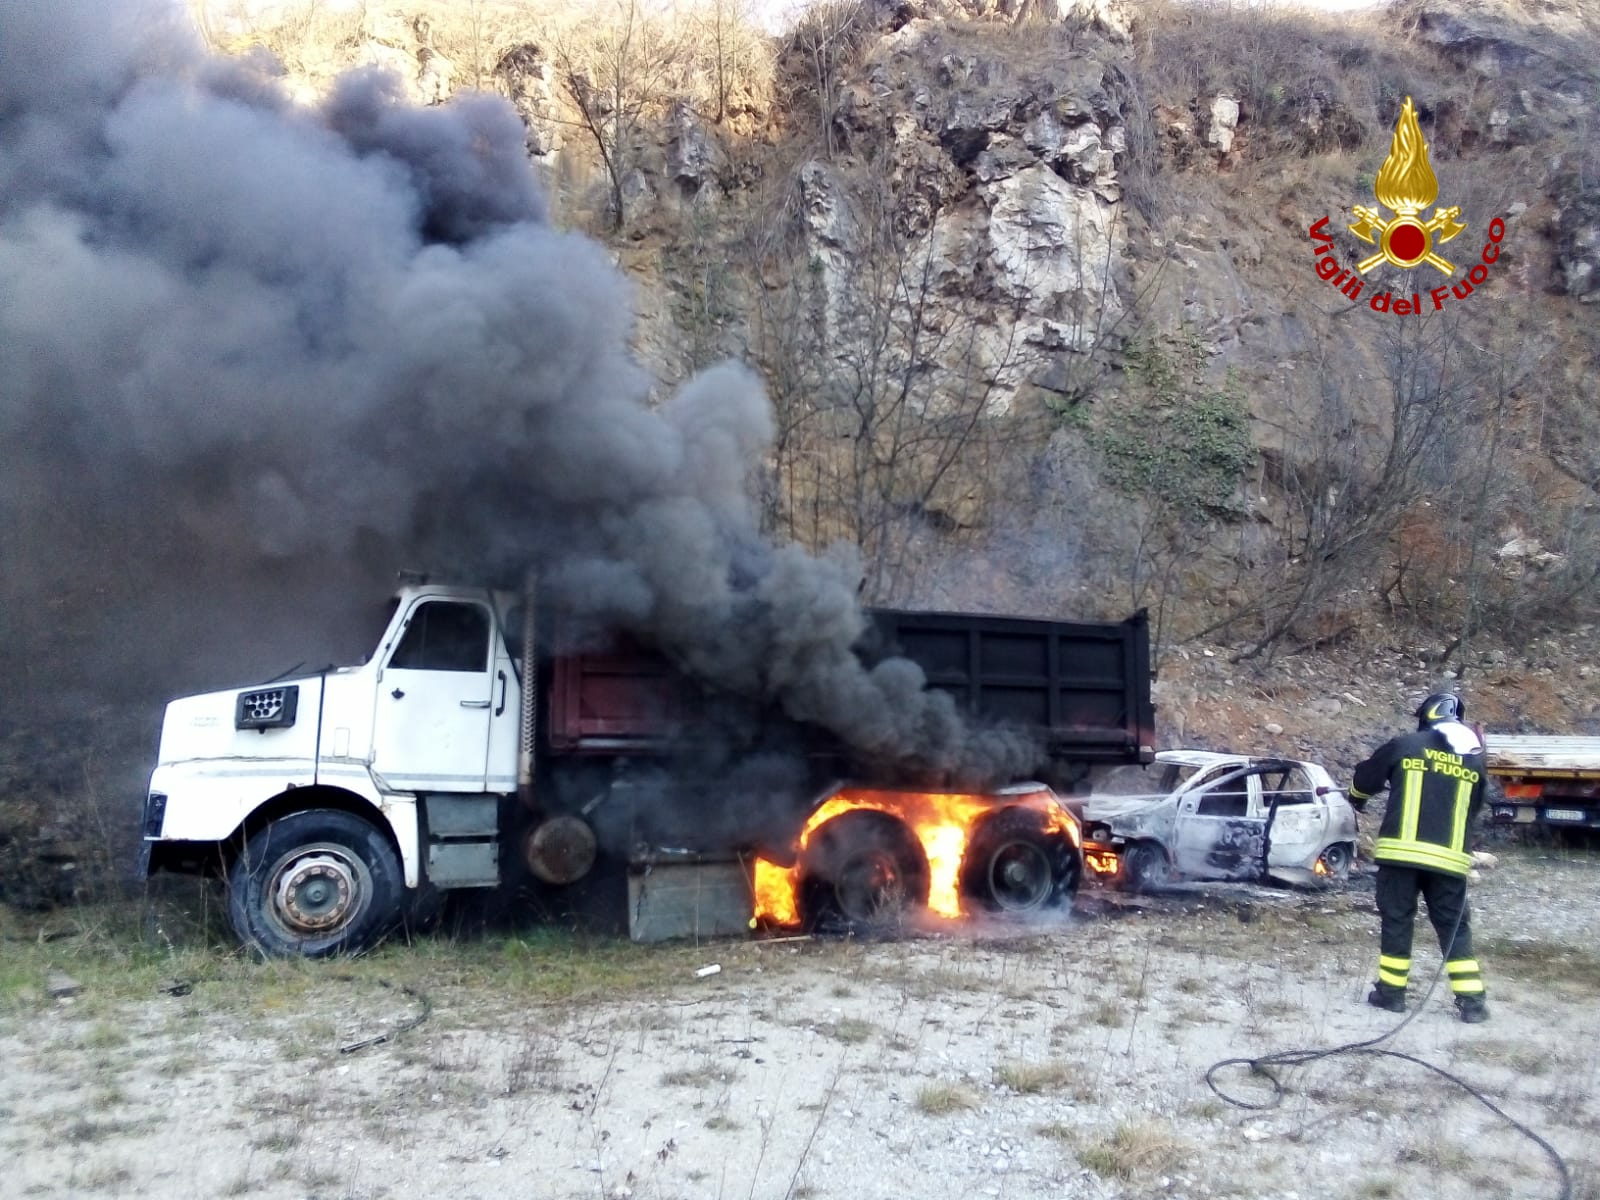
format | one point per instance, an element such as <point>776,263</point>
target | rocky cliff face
<point>989,204</point>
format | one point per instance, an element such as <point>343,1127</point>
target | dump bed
<point>1532,756</point>
<point>1083,687</point>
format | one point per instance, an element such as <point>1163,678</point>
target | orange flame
<point>774,888</point>
<point>1406,182</point>
<point>942,823</point>
<point>1320,867</point>
<point>1101,862</point>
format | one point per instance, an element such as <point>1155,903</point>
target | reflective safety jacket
<point>1435,779</point>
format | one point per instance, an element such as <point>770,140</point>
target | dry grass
<point>1134,1151</point>
<point>1379,1189</point>
<point>1111,1013</point>
<point>1033,1078</point>
<point>701,1076</point>
<point>1542,963</point>
<point>850,1030</point>
<point>942,1099</point>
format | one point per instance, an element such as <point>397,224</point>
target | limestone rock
<point>525,72</point>
<point>436,78</point>
<point>1224,119</point>
<point>1577,237</point>
<point>1048,238</point>
<point>691,154</point>
<point>1473,42</point>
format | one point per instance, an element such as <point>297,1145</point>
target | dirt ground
<point>1066,1060</point>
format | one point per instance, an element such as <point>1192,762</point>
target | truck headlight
<point>268,708</point>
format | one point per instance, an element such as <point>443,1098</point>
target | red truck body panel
<point>610,703</point>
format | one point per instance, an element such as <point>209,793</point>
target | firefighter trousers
<point>1446,897</point>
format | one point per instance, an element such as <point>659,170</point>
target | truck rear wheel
<point>867,869</point>
<point>314,884</point>
<point>1015,864</point>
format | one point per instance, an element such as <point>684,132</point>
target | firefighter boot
<point>1387,997</point>
<point>1474,1010</point>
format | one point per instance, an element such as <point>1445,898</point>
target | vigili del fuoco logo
<point>1405,186</point>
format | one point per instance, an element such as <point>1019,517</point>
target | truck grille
<point>269,708</point>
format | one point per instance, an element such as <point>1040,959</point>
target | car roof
<point>1200,758</point>
<point>1212,758</point>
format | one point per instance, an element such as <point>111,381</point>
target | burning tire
<point>314,884</point>
<point>1015,864</point>
<point>866,870</point>
<point>1335,861</point>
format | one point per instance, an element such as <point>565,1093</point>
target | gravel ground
<point>1064,1061</point>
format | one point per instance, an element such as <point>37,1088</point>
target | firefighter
<point>1435,778</point>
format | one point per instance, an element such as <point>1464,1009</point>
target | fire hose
<point>1263,1065</point>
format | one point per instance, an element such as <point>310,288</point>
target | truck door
<point>1216,837</point>
<point>431,731</point>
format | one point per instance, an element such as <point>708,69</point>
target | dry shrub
<point>1135,1151</point>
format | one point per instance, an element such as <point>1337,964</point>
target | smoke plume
<point>251,351</point>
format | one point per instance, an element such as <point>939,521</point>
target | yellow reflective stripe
<point>1458,831</point>
<point>1421,854</point>
<point>1466,987</point>
<point>1411,805</point>
<point>1393,963</point>
<point>1357,794</point>
<point>1461,966</point>
<point>1392,978</point>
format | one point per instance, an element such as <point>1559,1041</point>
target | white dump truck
<point>470,751</point>
<point>1548,781</point>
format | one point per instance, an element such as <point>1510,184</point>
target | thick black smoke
<point>250,351</point>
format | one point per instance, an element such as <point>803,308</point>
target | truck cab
<point>418,745</point>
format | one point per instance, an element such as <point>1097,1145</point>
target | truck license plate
<point>1562,814</point>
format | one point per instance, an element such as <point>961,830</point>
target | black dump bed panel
<point>1086,684</point>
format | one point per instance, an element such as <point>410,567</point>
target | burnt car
<point>1200,815</point>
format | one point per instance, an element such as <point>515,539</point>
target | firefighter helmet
<point>1439,708</point>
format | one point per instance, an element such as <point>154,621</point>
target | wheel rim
<point>1335,860</point>
<point>318,889</point>
<point>1020,876</point>
<point>871,887</point>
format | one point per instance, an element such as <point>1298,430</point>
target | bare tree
<point>734,53</point>
<point>887,380</point>
<point>614,73</point>
<point>820,49</point>
<point>1349,493</point>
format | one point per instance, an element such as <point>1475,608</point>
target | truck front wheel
<point>314,884</point>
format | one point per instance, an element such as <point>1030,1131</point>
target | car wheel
<point>1015,864</point>
<point>314,884</point>
<point>866,870</point>
<point>1146,867</point>
<point>1335,861</point>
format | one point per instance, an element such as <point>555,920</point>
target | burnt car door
<point>1220,832</point>
<point>1285,796</point>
